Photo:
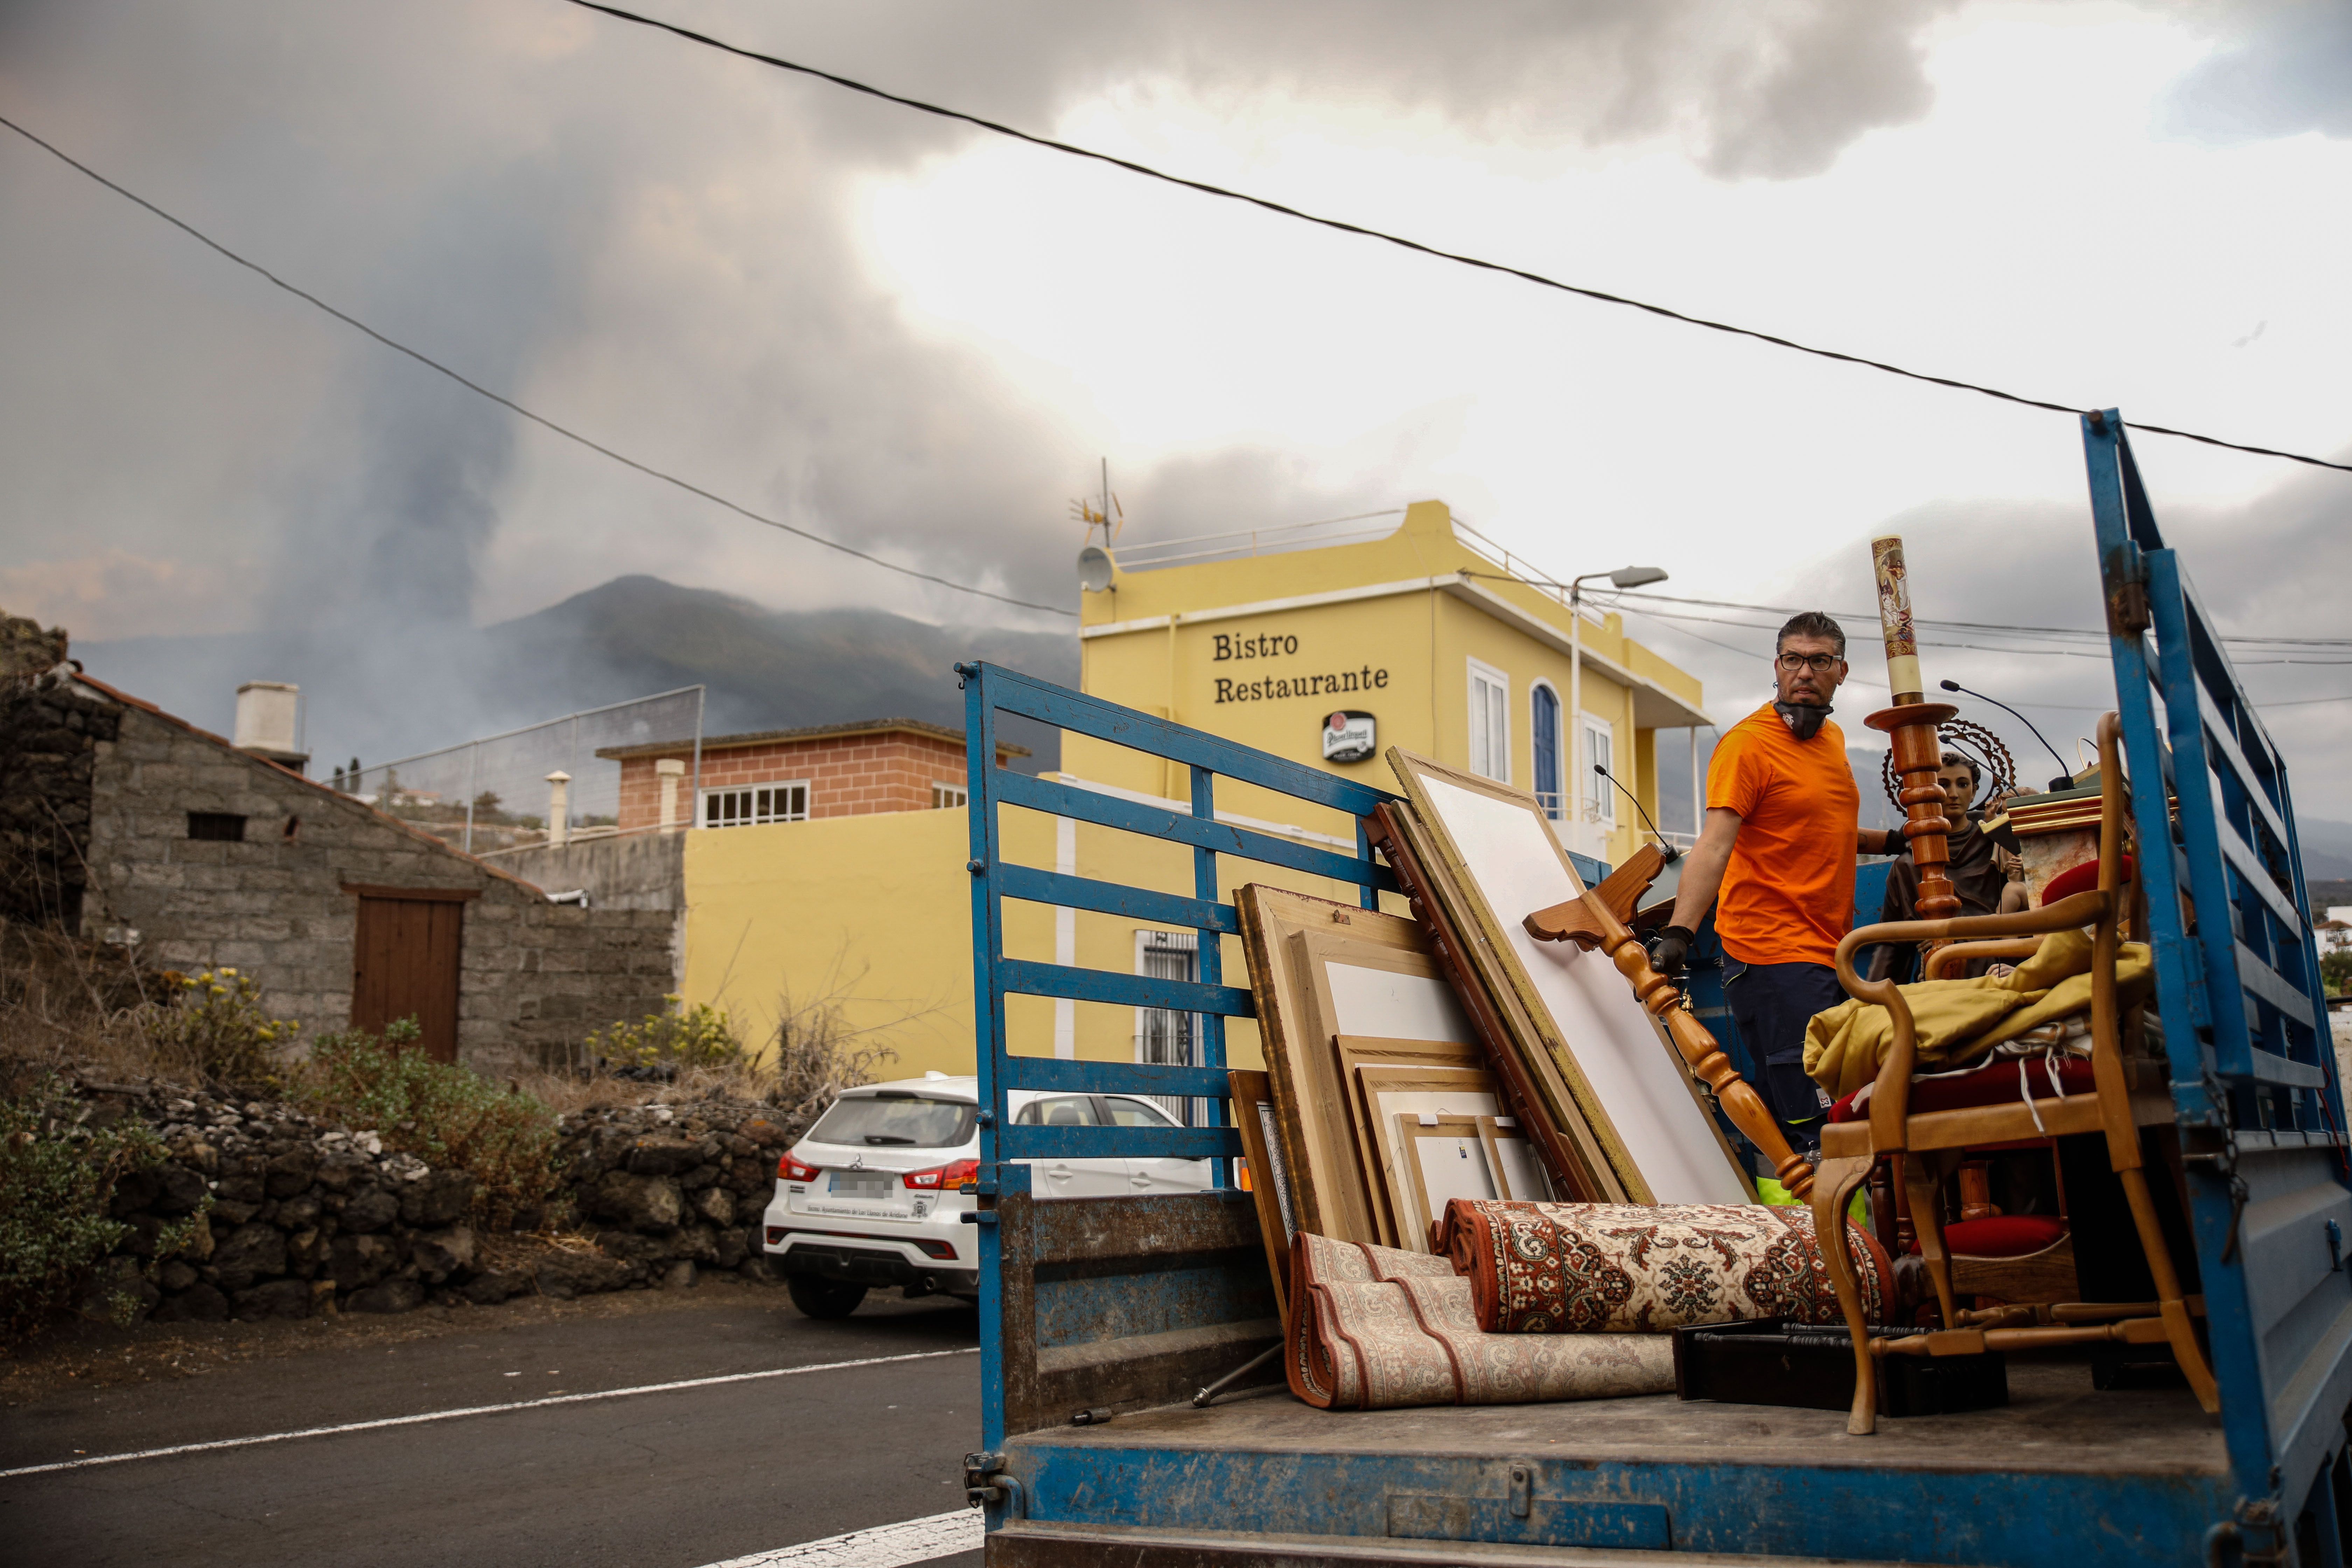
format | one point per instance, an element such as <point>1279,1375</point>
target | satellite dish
<point>1095,568</point>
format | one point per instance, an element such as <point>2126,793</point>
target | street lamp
<point>1623,577</point>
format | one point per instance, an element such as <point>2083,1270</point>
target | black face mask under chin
<point>1803,718</point>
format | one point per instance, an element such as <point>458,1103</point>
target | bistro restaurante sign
<point>1228,648</point>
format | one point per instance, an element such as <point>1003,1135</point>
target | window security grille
<point>225,827</point>
<point>758,803</point>
<point>1164,1037</point>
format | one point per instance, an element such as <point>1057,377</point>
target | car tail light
<point>944,1178</point>
<point>791,1170</point>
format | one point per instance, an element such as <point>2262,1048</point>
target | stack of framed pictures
<point>1367,1050</point>
<point>1412,1062</point>
<point>1491,858</point>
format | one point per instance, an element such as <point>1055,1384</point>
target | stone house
<point>203,855</point>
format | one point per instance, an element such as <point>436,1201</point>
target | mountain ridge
<point>628,637</point>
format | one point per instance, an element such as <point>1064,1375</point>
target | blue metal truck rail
<point>1100,1317</point>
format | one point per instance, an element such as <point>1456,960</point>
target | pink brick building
<point>790,775</point>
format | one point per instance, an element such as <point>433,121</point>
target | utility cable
<point>507,402</point>
<point>1616,597</point>
<point>1343,226</point>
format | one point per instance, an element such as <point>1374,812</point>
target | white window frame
<point>754,816</point>
<point>948,797</point>
<point>1599,797</point>
<point>1490,721</point>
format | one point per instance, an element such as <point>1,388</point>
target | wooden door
<point>405,964</point>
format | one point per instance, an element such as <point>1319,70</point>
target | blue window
<point>1546,727</point>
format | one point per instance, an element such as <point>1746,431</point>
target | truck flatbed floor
<point>2124,1476</point>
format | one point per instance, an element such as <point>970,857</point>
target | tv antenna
<point>1103,512</point>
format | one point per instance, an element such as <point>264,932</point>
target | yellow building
<point>1424,635</point>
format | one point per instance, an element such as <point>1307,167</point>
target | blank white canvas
<point>1508,850</point>
<point>1386,1004</point>
<point>1520,1172</point>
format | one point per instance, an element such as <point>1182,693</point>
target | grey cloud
<point>2289,71</point>
<point>655,244</point>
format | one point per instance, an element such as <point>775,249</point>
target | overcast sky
<point>918,338</point>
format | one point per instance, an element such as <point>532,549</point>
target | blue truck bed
<point>1101,1317</point>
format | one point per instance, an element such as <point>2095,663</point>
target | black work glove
<point>1674,947</point>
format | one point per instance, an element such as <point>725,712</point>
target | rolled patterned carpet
<point>1372,1329</point>
<point>1606,1269</point>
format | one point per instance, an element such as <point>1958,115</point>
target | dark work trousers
<point>1772,1003</point>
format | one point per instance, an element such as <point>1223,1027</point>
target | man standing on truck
<point>1778,845</point>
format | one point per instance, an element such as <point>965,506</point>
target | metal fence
<point>496,792</point>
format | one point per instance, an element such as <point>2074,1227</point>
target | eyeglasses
<point>1819,663</point>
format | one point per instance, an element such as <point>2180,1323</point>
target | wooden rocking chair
<point>1927,1141</point>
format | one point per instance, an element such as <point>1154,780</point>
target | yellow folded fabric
<point>1957,1021</point>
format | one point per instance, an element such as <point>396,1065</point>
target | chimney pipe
<point>559,808</point>
<point>269,715</point>
<point>670,769</point>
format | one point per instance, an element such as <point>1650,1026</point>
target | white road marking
<point>885,1546</point>
<point>540,1404</point>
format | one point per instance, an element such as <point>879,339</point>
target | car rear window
<point>895,1120</point>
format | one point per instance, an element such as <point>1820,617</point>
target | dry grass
<point>814,1054</point>
<point>69,1005</point>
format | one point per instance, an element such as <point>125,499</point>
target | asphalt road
<point>673,1479</point>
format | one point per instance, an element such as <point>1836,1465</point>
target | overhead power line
<point>429,362</point>
<point>1343,226</point>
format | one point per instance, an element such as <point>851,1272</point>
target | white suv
<point>871,1196</point>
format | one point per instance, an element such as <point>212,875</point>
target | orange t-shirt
<point>1788,893</point>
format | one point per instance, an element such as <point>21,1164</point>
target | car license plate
<point>874,1187</point>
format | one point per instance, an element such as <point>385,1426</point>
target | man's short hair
<point>1810,623</point>
<point>1961,760</point>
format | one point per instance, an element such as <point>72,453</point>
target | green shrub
<point>446,1115</point>
<point>58,1172</point>
<point>2335,971</point>
<point>214,1025</point>
<point>696,1036</point>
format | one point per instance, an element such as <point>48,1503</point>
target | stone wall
<point>626,871</point>
<point>535,977</point>
<point>297,1218</point>
<point>49,734</point>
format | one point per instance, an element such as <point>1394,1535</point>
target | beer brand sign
<point>1349,737</point>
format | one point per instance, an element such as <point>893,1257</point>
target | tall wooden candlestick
<point>1910,724</point>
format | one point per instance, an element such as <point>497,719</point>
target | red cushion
<point>2082,878</point>
<point>2002,1236</point>
<point>1995,1083</point>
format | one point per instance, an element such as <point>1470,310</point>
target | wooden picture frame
<point>1352,1051</point>
<point>1511,1156</point>
<point>1497,853</point>
<point>1443,1157</point>
<point>1387,1090</point>
<point>1270,1185</point>
<point>1299,1009</point>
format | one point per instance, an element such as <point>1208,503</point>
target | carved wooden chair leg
<point>1922,1173</point>
<point>2180,1330</point>
<point>1834,1184</point>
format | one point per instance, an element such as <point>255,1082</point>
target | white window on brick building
<point>947,794</point>
<point>755,804</point>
